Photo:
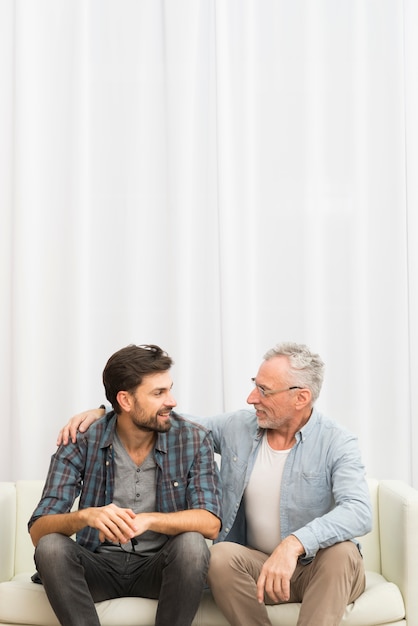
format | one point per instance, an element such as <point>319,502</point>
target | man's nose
<point>254,396</point>
<point>171,401</point>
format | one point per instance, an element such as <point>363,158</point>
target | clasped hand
<point>115,523</point>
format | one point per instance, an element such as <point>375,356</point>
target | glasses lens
<point>259,389</point>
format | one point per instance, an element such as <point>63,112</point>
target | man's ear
<point>303,398</point>
<point>125,400</point>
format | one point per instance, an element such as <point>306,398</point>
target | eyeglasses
<point>270,392</point>
<point>130,546</point>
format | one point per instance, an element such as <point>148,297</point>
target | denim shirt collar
<point>306,430</point>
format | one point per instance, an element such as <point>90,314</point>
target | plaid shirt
<point>187,474</point>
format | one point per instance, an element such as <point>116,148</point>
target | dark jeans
<point>74,578</point>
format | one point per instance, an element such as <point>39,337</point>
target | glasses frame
<point>265,393</point>
<point>132,549</point>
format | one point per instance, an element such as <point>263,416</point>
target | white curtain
<point>214,176</point>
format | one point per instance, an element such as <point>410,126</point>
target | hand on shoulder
<point>78,423</point>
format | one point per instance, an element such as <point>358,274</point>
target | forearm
<point>113,523</point>
<point>346,521</point>
<point>63,523</point>
<point>191,520</point>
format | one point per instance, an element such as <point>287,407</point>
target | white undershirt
<point>262,498</point>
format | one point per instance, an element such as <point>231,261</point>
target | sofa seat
<point>390,554</point>
<point>381,603</point>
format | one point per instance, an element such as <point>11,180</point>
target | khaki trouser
<point>325,586</point>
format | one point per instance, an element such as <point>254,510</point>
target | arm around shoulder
<point>79,423</point>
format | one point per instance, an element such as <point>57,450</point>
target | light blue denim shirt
<point>324,495</point>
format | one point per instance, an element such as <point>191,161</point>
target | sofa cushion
<point>381,603</point>
<point>23,602</point>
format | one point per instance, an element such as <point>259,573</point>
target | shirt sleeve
<point>351,515</point>
<point>204,486</point>
<point>63,482</point>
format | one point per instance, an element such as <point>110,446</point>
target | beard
<point>153,424</point>
<point>159,423</point>
<point>270,421</point>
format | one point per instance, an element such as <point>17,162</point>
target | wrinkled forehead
<point>276,368</point>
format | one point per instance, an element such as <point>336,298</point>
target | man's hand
<point>112,522</point>
<point>275,575</point>
<point>79,422</point>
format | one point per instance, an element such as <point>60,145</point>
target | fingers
<point>64,435</point>
<point>83,421</point>
<point>69,431</point>
<point>278,569</point>
<point>260,588</point>
<point>113,523</point>
<point>277,588</point>
<point>78,423</point>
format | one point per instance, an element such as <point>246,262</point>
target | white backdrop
<point>214,176</point>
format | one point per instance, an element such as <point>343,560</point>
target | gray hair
<point>306,369</point>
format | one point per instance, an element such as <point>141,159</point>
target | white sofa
<point>390,553</point>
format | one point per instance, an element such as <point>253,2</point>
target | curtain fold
<point>411,194</point>
<point>214,177</point>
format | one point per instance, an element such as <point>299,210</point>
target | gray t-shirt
<point>135,488</point>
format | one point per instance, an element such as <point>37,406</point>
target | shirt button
<point>175,483</point>
<point>138,469</point>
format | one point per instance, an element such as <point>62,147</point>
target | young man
<point>149,495</point>
<point>294,499</point>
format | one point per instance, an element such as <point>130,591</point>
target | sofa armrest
<point>7,530</point>
<point>398,517</point>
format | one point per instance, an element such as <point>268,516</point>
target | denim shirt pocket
<point>312,492</point>
<point>233,470</point>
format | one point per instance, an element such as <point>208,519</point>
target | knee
<point>193,543</point>
<point>346,552</point>
<point>223,557</point>
<point>191,547</point>
<point>341,559</point>
<point>51,549</point>
<point>51,546</point>
<point>225,551</point>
